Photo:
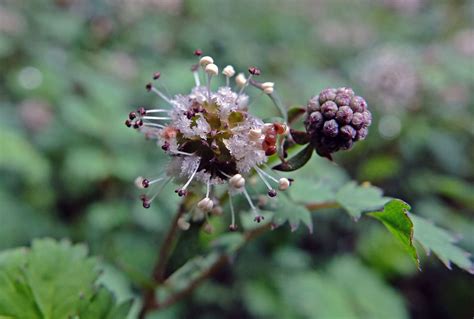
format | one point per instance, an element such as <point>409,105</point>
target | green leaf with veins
<point>441,243</point>
<point>289,211</point>
<point>50,280</point>
<point>395,217</point>
<point>356,199</point>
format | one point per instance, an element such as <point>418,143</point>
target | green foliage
<point>53,280</point>
<point>347,289</point>
<point>441,243</point>
<point>395,217</point>
<point>356,199</point>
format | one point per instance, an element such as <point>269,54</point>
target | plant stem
<point>149,300</point>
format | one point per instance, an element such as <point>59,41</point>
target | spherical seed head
<point>336,118</point>
<point>228,71</point>
<point>205,60</point>
<point>211,69</point>
<point>197,52</point>
<point>254,70</point>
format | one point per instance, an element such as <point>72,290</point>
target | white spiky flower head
<point>210,137</point>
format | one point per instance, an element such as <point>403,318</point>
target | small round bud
<point>205,60</point>
<point>268,128</point>
<point>237,181</point>
<point>139,182</point>
<point>357,120</point>
<point>347,132</point>
<point>255,134</point>
<point>358,104</point>
<point>327,95</point>
<point>316,120</point>
<point>183,224</point>
<point>254,70</point>
<point>240,80</point>
<point>268,90</point>
<point>156,75</point>
<point>283,184</point>
<point>331,128</point>
<point>280,128</point>
<point>343,99</point>
<point>228,71</point>
<point>197,52</point>
<point>329,109</point>
<point>211,69</point>
<point>362,133</point>
<point>270,139</point>
<point>313,104</point>
<point>205,204</point>
<point>344,115</point>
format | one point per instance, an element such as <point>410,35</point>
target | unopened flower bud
<point>237,181</point>
<point>228,71</point>
<point>139,182</point>
<point>205,60</point>
<point>205,204</point>
<point>283,184</point>
<point>212,69</point>
<point>255,134</point>
<point>240,80</point>
<point>183,224</point>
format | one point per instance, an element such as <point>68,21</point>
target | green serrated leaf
<point>297,161</point>
<point>395,217</point>
<point>51,280</point>
<point>291,212</point>
<point>356,199</point>
<point>435,239</point>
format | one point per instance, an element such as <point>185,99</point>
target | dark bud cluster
<point>336,119</point>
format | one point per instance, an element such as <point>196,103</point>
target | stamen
<point>150,87</point>
<point>153,125</point>
<point>196,78</point>
<point>232,226</point>
<point>156,111</point>
<point>158,118</point>
<point>182,191</point>
<point>160,188</point>
<point>181,153</point>
<point>252,206</point>
<point>266,174</point>
<point>271,191</point>
<point>208,188</point>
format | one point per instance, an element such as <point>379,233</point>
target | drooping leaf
<point>50,280</point>
<point>440,242</point>
<point>395,217</point>
<point>297,161</point>
<point>356,199</point>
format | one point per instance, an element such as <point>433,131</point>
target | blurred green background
<point>71,71</point>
